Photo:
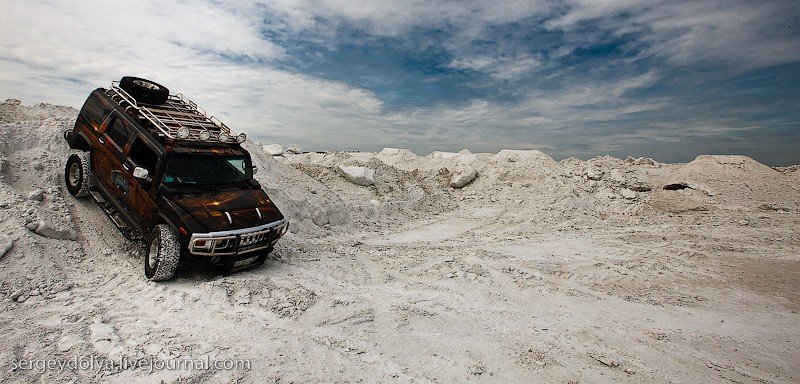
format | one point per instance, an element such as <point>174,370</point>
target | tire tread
<point>168,253</point>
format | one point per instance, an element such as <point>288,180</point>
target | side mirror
<point>255,169</point>
<point>140,173</point>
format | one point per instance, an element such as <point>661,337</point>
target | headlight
<point>224,136</point>
<point>241,138</point>
<point>216,244</point>
<point>183,133</point>
<point>203,244</point>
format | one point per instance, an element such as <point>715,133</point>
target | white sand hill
<point>535,270</point>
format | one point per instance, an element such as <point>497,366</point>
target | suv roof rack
<point>178,118</point>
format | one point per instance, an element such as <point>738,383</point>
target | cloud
<point>217,56</point>
<point>748,34</point>
<point>539,121</point>
<point>571,77</point>
<point>502,68</point>
<point>397,18</point>
<point>755,34</point>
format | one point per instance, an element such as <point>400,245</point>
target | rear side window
<point>143,155</point>
<point>94,112</point>
<point>118,133</point>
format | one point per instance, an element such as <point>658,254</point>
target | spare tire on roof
<point>144,91</point>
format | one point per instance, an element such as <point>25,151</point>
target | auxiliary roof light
<point>205,135</point>
<point>241,138</point>
<point>224,136</point>
<point>183,133</point>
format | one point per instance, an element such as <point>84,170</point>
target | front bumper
<point>238,241</point>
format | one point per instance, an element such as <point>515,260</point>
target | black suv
<point>166,172</point>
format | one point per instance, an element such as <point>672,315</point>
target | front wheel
<point>78,174</point>
<point>163,254</point>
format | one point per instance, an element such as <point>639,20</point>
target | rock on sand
<point>273,149</point>
<point>52,230</point>
<point>357,175</point>
<point>5,245</point>
<point>463,178</point>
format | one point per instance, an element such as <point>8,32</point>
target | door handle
<point>101,140</point>
<point>126,166</point>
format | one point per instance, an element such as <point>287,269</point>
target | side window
<point>118,133</point>
<point>143,155</point>
<point>94,112</point>
<point>239,165</point>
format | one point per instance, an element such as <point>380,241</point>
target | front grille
<point>245,217</point>
<point>252,240</point>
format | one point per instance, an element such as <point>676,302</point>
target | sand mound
<point>13,111</point>
<point>34,128</point>
<point>398,193</point>
<point>527,184</point>
<point>530,155</point>
<point>397,157</point>
<point>730,182</point>
<point>36,219</point>
<point>372,275</point>
<point>792,173</point>
<point>307,203</point>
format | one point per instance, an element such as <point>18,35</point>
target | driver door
<point>144,155</point>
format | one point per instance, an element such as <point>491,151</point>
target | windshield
<point>207,169</point>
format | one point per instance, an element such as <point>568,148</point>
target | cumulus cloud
<point>218,56</point>
<point>575,77</point>
<point>746,33</point>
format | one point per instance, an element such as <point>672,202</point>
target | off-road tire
<point>144,91</point>
<point>163,249</point>
<point>78,175</point>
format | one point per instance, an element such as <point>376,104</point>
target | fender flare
<point>77,140</point>
<point>162,218</point>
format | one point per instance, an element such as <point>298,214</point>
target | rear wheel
<point>144,91</point>
<point>78,174</point>
<point>163,254</point>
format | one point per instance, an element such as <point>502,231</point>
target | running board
<point>98,197</point>
<point>115,217</point>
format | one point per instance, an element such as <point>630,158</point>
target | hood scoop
<point>249,216</point>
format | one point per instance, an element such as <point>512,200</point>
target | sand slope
<point>537,270</point>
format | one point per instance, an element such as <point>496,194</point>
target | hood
<point>222,211</point>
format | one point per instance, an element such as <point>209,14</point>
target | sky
<point>665,79</point>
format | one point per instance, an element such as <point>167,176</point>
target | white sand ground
<point>537,271</point>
